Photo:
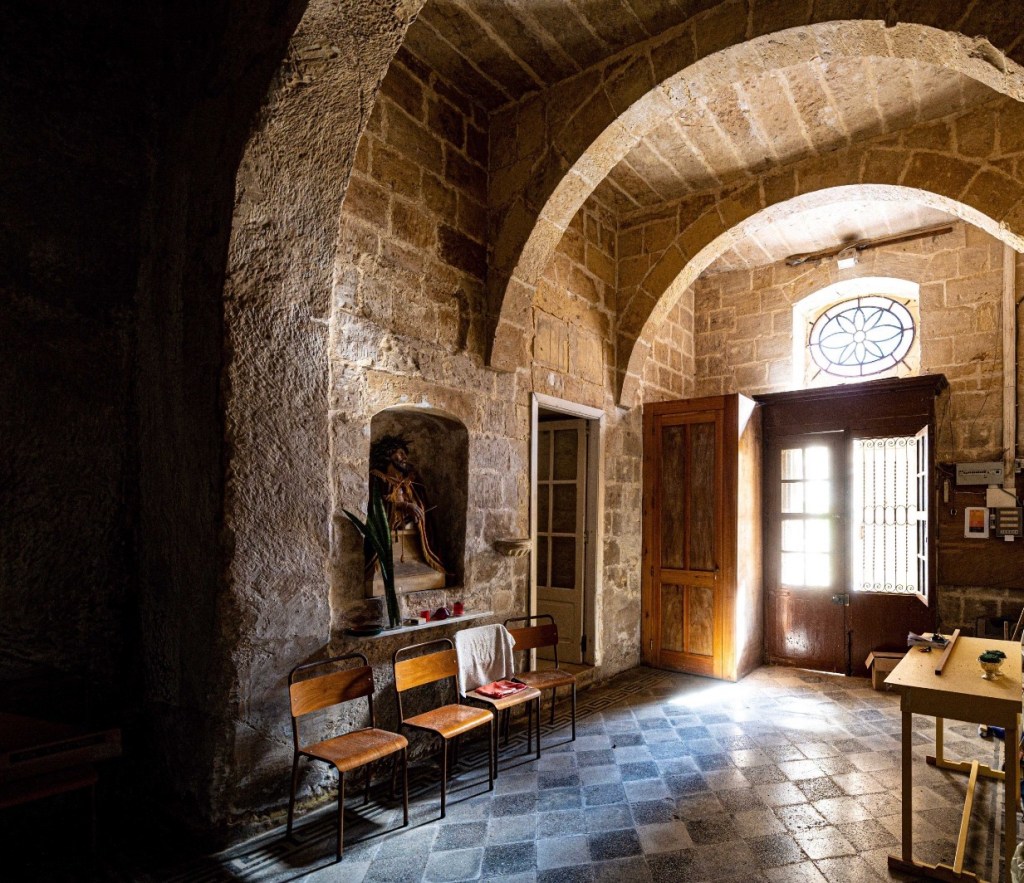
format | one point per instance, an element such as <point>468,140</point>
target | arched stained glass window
<point>861,336</point>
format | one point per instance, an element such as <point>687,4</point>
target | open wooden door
<point>805,551</point>
<point>684,530</point>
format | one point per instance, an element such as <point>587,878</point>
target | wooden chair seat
<point>513,699</point>
<point>351,750</point>
<point>449,721</point>
<point>547,679</point>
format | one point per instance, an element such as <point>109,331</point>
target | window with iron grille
<point>889,515</point>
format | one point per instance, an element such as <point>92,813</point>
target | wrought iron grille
<point>885,516</point>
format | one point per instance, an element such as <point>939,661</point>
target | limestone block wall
<point>669,371</point>
<point>406,332</point>
<point>744,328</point>
<point>574,312</point>
<point>743,323</point>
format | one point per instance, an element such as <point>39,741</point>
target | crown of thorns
<point>384,448</point>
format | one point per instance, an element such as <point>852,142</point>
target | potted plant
<point>991,661</point>
<point>376,534</point>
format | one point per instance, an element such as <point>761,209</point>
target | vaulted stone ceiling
<point>497,51</point>
<point>740,130</point>
<point>500,51</point>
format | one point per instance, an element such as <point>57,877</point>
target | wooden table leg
<point>1011,782</point>
<point>908,787</point>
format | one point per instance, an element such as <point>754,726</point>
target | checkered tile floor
<point>788,776</point>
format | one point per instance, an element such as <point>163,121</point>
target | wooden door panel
<point>804,551</point>
<point>683,527</point>
<point>881,622</point>
<point>672,607</point>
<point>702,497</point>
<point>700,620</point>
<point>805,630</point>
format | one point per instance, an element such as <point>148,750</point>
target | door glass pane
<point>672,618</point>
<point>544,455</point>
<point>566,451</point>
<point>563,509</point>
<point>793,464</point>
<point>818,570</point>
<point>792,569</point>
<point>818,497</point>
<point>700,620</point>
<point>542,508</point>
<point>542,561</point>
<point>702,496</point>
<point>816,461</point>
<point>563,563</point>
<point>673,496</point>
<point>793,498</point>
<point>793,535</point>
<point>818,532</point>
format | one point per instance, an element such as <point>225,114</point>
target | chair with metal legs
<point>446,721</point>
<point>531,637</point>
<point>356,748</point>
<point>481,646</point>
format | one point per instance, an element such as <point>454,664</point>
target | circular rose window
<point>861,336</point>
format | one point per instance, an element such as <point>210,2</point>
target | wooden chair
<point>357,748</point>
<point>503,706</point>
<point>530,637</point>
<point>447,721</point>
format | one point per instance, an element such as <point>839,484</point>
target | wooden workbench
<point>959,693</point>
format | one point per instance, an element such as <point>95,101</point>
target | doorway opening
<point>849,544</point>
<point>565,521</point>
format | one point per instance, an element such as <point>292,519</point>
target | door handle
<point>842,599</point>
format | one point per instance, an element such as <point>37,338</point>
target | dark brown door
<point>683,487</point>
<point>805,555</point>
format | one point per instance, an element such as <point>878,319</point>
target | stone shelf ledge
<point>433,624</point>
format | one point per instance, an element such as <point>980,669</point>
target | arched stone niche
<point>439,452</point>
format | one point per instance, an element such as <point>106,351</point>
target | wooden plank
<point>965,819</point>
<point>941,664</point>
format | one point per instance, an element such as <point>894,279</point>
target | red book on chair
<point>500,689</point>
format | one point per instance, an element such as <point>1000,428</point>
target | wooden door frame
<point>592,565</point>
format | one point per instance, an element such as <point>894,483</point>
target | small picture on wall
<point>976,522</point>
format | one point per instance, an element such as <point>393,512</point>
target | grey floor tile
<point>656,790</point>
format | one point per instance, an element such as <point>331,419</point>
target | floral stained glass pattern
<point>861,336</point>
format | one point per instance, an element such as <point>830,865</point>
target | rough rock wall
<point>275,610</point>
<point>217,74</point>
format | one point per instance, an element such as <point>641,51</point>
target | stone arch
<point>291,182</point>
<point>534,199</point>
<point>711,236</point>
